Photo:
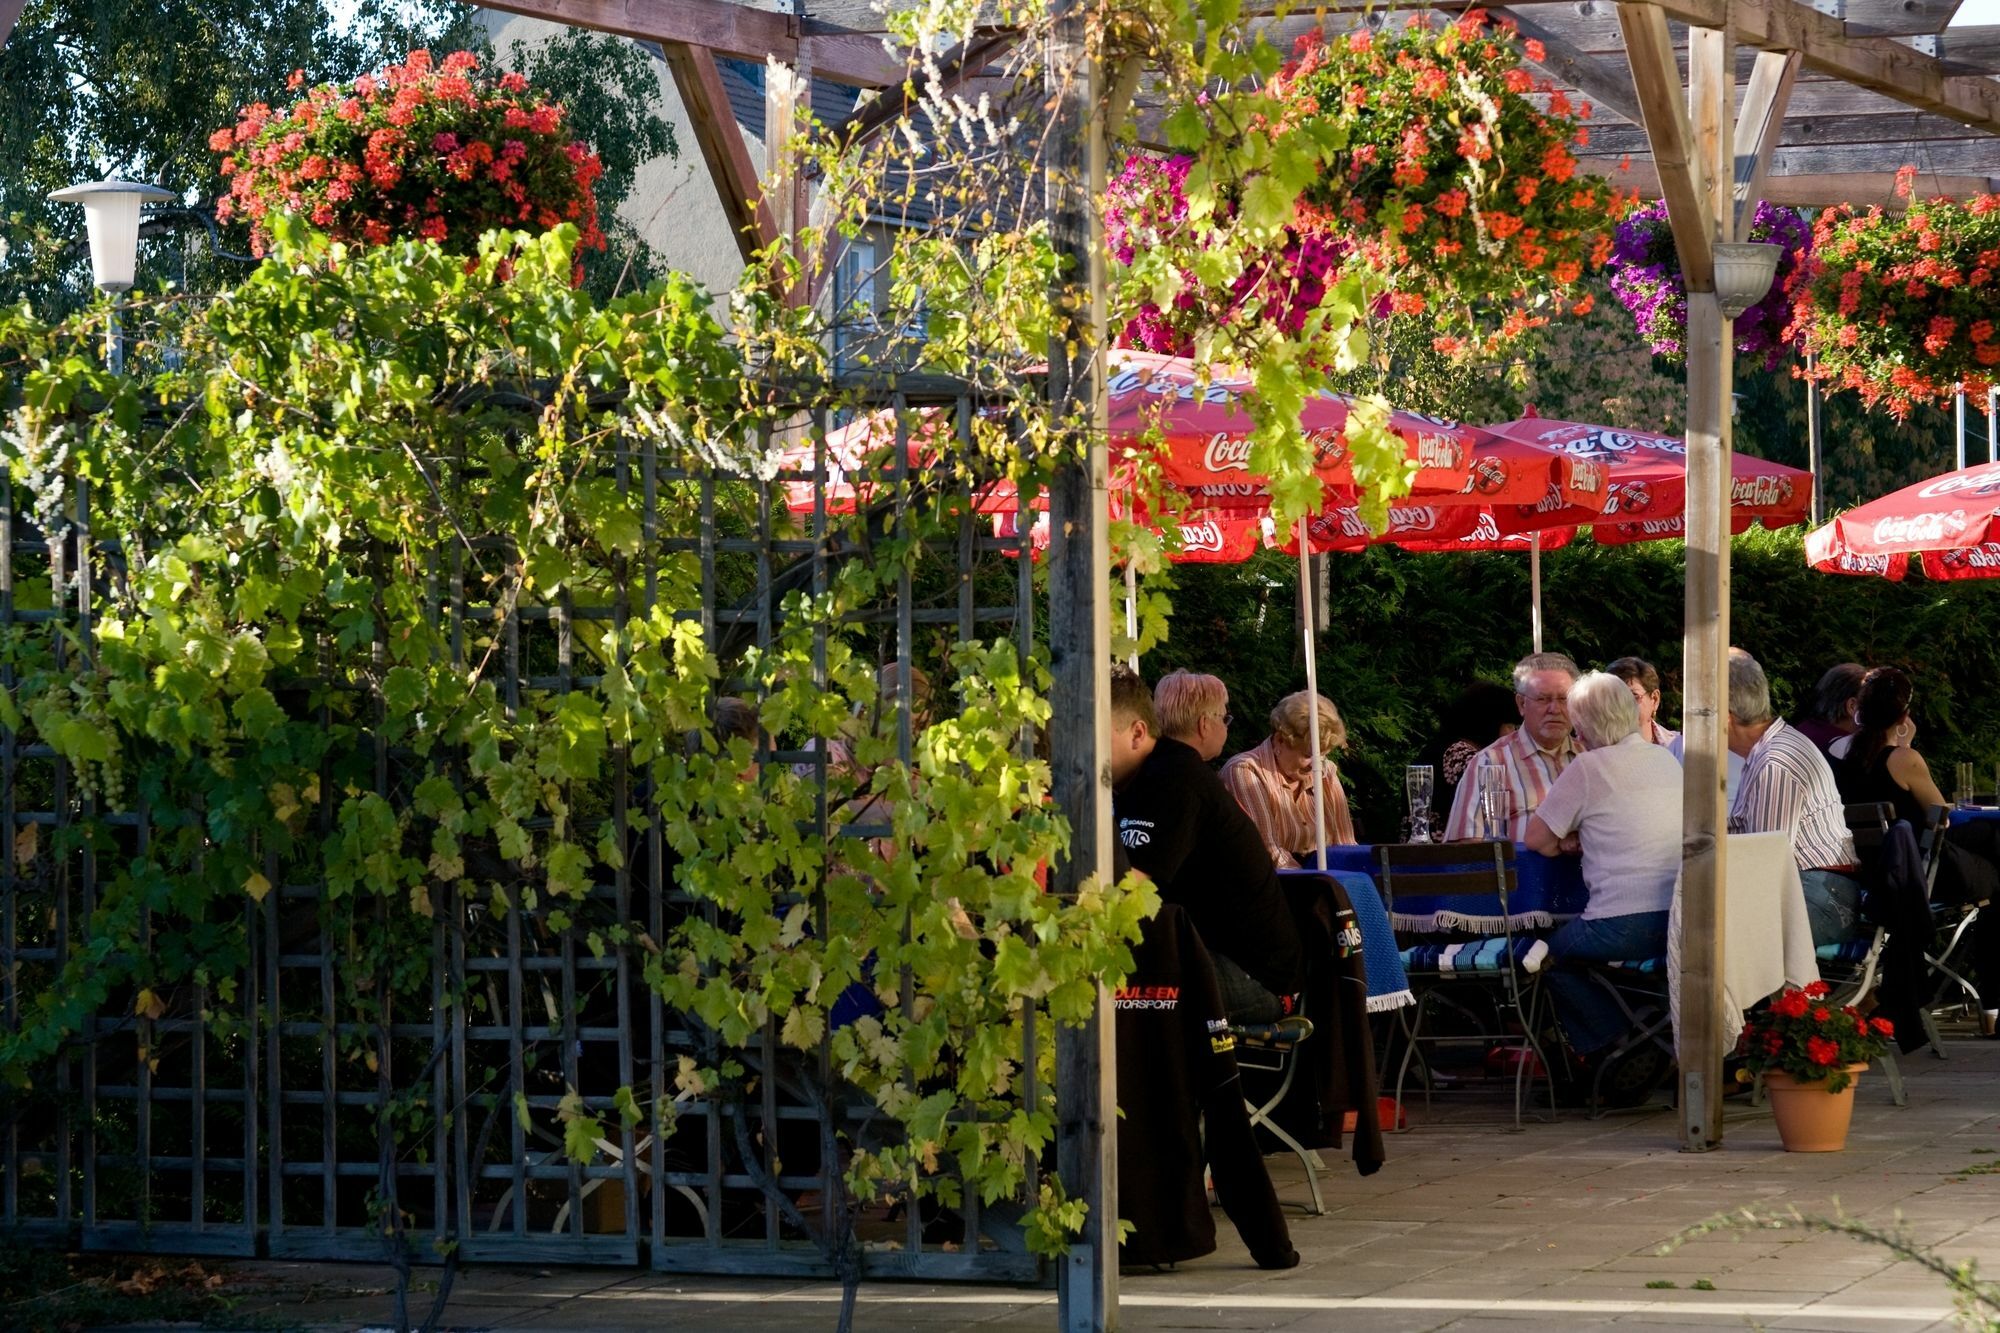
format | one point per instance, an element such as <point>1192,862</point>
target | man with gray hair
<point>1787,787</point>
<point>1526,763</point>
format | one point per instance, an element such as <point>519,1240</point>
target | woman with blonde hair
<point>1273,782</point>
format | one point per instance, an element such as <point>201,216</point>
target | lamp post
<point>111,215</point>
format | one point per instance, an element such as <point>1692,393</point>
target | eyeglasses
<point>1225,717</point>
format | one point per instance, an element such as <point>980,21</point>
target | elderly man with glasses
<point>1527,762</point>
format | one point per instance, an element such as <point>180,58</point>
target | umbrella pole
<point>1312,688</point>
<point>1960,423</point>
<point>1535,587</point>
<point>1993,424</point>
<point>1132,613</point>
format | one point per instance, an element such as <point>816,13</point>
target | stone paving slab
<point>1467,1229</point>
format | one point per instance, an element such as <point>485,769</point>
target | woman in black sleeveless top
<point>1880,763</point>
<point>1881,766</point>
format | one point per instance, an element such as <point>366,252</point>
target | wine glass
<point>1417,785</point>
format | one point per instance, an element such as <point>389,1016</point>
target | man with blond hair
<point>1525,763</point>
<point>1194,710</point>
<point>1180,826</point>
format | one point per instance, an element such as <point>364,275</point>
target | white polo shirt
<point>1624,802</point>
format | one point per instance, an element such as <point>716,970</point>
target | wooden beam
<point>1603,82</point>
<point>1757,127</point>
<point>722,148</point>
<point>1858,188</point>
<point>1890,68</point>
<point>1974,48</point>
<point>1657,80</point>
<point>1711,109</point>
<point>725,28</point>
<point>1896,17</point>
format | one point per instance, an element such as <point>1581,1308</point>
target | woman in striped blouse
<point>1273,782</point>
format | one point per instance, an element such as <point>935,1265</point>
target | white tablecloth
<point>1767,940</point>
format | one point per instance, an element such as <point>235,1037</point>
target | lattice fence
<point>264,1113</point>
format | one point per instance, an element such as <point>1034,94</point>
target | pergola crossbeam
<point>1757,129</point>
<point>720,139</point>
<point>1657,80</point>
<point>853,57</point>
<point>1603,82</point>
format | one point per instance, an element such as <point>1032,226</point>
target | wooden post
<point>1705,645</point>
<point>1705,698</point>
<point>1080,646</point>
<point>787,92</point>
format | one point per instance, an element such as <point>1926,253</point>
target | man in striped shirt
<point>1788,787</point>
<point>1528,761</point>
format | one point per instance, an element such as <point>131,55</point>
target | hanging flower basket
<point>1454,183</point>
<point>1646,279</point>
<point>1901,308</point>
<point>1459,192</point>
<point>419,150</point>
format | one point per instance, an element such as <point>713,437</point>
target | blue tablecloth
<point>1548,890</point>
<point>1388,984</point>
<point>1960,814</point>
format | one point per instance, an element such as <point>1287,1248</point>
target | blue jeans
<point>1589,1017</point>
<point>1833,905</point>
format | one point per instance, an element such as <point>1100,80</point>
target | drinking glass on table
<point>1963,793</point>
<point>1494,811</point>
<point>1417,785</point>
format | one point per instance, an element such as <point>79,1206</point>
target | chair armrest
<point>1279,1036</point>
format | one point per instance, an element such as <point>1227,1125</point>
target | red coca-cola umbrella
<point>1950,523</point>
<point>1201,438</point>
<point>1647,487</point>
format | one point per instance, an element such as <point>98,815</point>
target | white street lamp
<point>111,213</point>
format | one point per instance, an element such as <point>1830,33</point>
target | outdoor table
<point>1548,890</point>
<point>1388,983</point>
<point>1967,814</point>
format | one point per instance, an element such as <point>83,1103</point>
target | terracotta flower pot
<point>1811,1119</point>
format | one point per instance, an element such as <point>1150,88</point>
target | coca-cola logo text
<point>1606,443</point>
<point>1202,537</point>
<point>1760,492</point>
<point>1226,453</point>
<point>1926,528</point>
<point>1986,555</point>
<point>1977,481</point>
<point>1133,380</point>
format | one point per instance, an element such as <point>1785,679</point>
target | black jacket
<point>1339,1073</point>
<point>1177,1067</point>
<point>1180,825</point>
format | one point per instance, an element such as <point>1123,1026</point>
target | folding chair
<point>1273,1048</point>
<point>1462,885</point>
<point>1639,988</point>
<point>1960,924</point>
<point>1851,967</point>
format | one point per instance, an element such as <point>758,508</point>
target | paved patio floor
<point>1467,1228</point>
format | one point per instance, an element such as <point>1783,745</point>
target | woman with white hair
<point>1273,782</point>
<point>1619,803</point>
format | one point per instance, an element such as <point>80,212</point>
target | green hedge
<point>1407,632</point>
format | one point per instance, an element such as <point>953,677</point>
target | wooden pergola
<point>1715,103</point>
<point>1712,104</point>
